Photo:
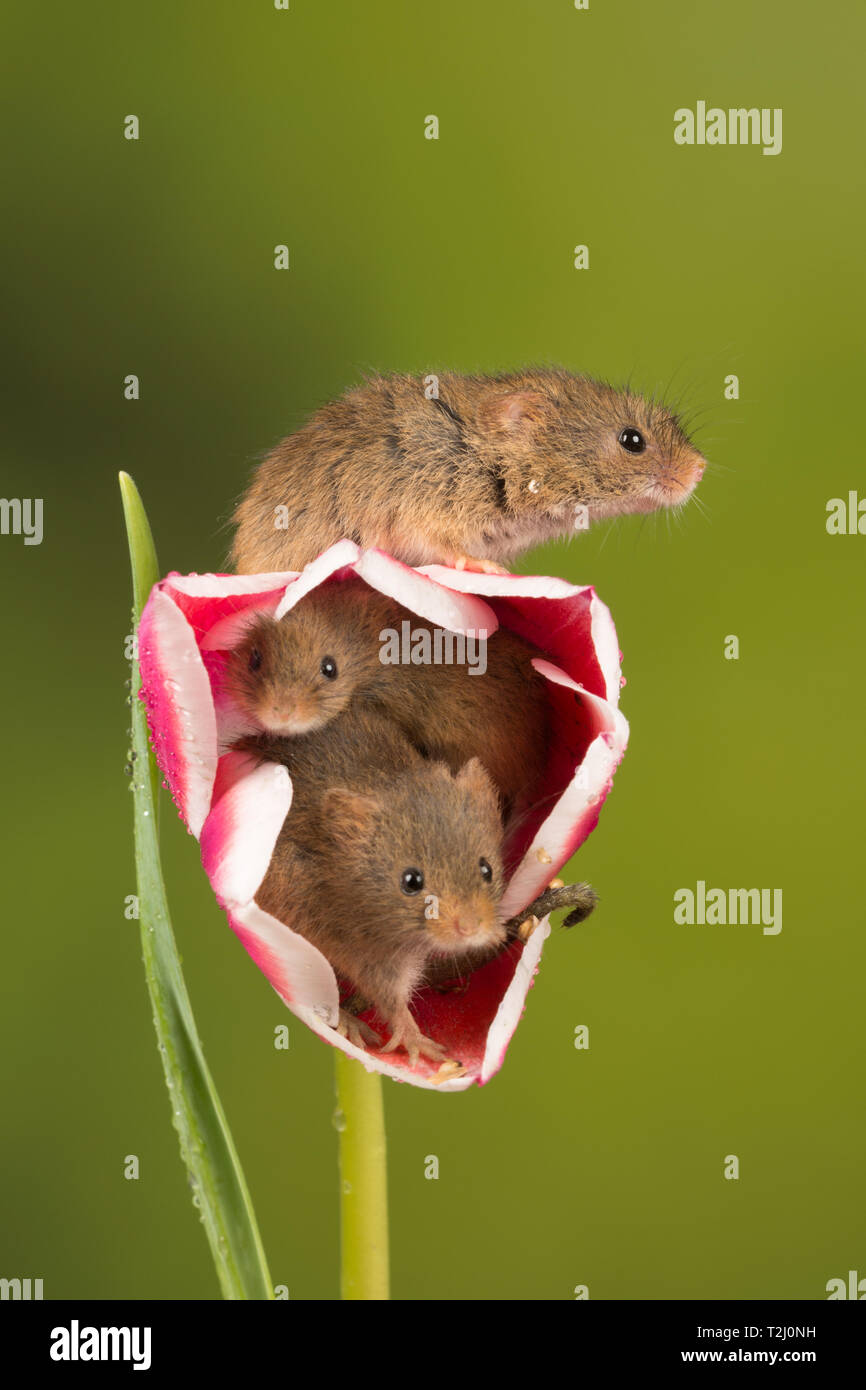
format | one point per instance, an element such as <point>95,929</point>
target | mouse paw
<point>356,1031</point>
<point>408,1035</point>
<point>468,562</point>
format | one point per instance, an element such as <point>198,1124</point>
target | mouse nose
<point>466,927</point>
<point>472,919</point>
<point>288,718</point>
<point>282,714</point>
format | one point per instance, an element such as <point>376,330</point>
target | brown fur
<point>439,480</point>
<point>366,806</point>
<point>502,715</point>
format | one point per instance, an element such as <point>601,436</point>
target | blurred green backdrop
<point>601,1167</point>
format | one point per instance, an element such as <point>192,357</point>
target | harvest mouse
<point>484,469</point>
<point>387,862</point>
<point>294,675</point>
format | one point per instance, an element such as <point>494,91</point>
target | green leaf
<point>214,1171</point>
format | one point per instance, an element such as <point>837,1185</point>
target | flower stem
<point>213,1167</point>
<point>360,1121</point>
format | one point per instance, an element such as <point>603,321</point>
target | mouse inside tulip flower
<point>335,648</point>
<point>389,862</point>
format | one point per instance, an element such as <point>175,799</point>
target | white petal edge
<point>188,693</point>
<point>513,1002</point>
<point>239,835</point>
<point>556,835</point>
<point>606,646</point>
<point>417,592</point>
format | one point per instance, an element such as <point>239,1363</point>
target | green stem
<point>360,1121</point>
<point>213,1167</point>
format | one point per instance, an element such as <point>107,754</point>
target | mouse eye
<point>255,659</point>
<point>328,668</point>
<point>411,881</point>
<point>486,871</point>
<point>632,440</point>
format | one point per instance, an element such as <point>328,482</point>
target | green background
<point>601,1167</point>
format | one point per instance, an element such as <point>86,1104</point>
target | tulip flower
<point>236,808</point>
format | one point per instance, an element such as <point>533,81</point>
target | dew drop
<point>347,1188</point>
<point>338,1120</point>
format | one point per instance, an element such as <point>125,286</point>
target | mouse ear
<point>514,411</point>
<point>475,778</point>
<point>349,814</point>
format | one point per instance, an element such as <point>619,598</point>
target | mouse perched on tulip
<point>470,476</point>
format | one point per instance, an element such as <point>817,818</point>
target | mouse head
<point>568,442</point>
<point>422,858</point>
<point>296,674</point>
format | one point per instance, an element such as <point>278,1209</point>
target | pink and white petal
<point>247,803</point>
<point>606,646</point>
<point>439,604</point>
<point>575,814</point>
<point>227,586</point>
<point>567,621</point>
<point>337,557</point>
<point>300,974</point>
<point>435,602</point>
<point>206,599</point>
<point>538,586</point>
<point>237,840</point>
<point>510,1011</point>
<point>177,693</point>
